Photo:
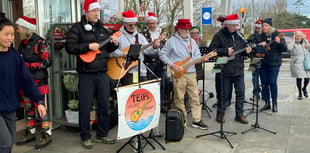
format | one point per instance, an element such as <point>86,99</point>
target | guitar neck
<point>146,46</point>
<point>238,51</point>
<point>185,66</point>
<point>104,42</point>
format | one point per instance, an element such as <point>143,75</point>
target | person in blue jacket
<point>14,77</point>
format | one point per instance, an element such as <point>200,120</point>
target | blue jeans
<point>7,134</point>
<point>255,82</point>
<point>269,77</point>
<point>228,82</point>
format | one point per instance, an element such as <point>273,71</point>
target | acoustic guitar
<point>135,116</point>
<point>90,56</point>
<point>185,64</point>
<point>117,66</point>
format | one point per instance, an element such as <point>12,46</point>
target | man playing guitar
<point>131,36</point>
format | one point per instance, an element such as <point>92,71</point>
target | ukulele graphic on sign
<point>135,116</point>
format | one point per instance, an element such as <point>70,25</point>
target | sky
<point>304,9</point>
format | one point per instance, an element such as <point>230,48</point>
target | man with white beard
<point>177,49</point>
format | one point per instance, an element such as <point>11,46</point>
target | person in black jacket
<point>14,77</point>
<point>34,50</point>
<point>271,64</point>
<point>84,37</point>
<point>226,42</point>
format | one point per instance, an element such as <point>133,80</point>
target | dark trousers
<point>269,77</point>
<point>238,83</point>
<point>128,79</point>
<point>8,131</point>
<point>90,85</point>
<point>255,82</point>
<point>218,88</point>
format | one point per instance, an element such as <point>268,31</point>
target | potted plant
<point>71,84</point>
<point>114,22</point>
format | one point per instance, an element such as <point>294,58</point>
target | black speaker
<point>174,125</point>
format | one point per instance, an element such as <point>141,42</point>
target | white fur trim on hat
<point>93,6</point>
<point>130,19</point>
<point>151,18</point>
<point>26,24</point>
<point>232,22</point>
<point>258,25</point>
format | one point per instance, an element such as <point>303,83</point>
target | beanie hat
<point>258,23</point>
<point>151,16</point>
<point>183,24</point>
<point>129,16</point>
<point>268,21</point>
<point>29,23</point>
<point>232,19</point>
<point>195,27</point>
<point>90,5</point>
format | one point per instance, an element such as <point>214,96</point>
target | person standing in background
<point>299,48</point>
<point>34,50</point>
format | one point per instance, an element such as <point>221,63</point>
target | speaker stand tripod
<point>221,132</point>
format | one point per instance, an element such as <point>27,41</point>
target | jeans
<point>228,82</point>
<point>269,77</point>
<point>7,134</point>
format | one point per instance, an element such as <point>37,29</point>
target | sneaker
<point>27,137</point>
<point>200,125</point>
<point>87,144</point>
<point>105,140</point>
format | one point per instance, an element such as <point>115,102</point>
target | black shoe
<point>299,97</point>
<point>304,90</point>
<point>266,107</point>
<point>274,107</point>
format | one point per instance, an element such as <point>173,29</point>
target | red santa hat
<point>90,5</point>
<point>232,19</point>
<point>151,16</point>
<point>183,24</point>
<point>129,16</point>
<point>258,23</point>
<point>27,22</point>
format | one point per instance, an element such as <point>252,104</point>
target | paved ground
<point>291,123</point>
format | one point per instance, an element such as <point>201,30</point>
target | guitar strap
<point>137,39</point>
<point>190,47</point>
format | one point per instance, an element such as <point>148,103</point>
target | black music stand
<point>256,64</point>
<point>220,64</point>
<point>203,50</point>
<point>133,55</point>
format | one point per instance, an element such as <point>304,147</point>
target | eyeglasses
<point>131,25</point>
<point>195,32</point>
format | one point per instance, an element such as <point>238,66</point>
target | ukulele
<point>118,67</point>
<point>233,54</point>
<point>267,47</point>
<point>185,64</point>
<point>135,116</point>
<point>90,56</point>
